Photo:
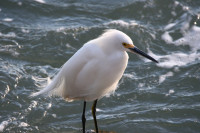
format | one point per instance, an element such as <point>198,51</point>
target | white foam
<point>45,113</point>
<point>69,46</point>
<point>162,78</point>
<point>6,91</point>
<point>40,1</point>
<point>123,23</point>
<point>170,92</point>
<point>54,115</point>
<point>19,3</point>
<point>169,26</point>
<point>140,85</point>
<point>186,8</point>
<point>3,125</point>
<point>25,30</point>
<point>120,22</point>
<point>166,37</point>
<point>10,34</point>
<point>176,3</point>
<point>32,105</point>
<point>185,25</point>
<point>173,13</point>
<point>191,38</point>
<point>23,124</point>
<point>131,76</point>
<point>60,29</point>
<point>8,19</point>
<point>99,110</point>
<point>49,105</point>
<point>175,59</point>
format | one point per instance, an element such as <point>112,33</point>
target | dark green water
<point>38,36</point>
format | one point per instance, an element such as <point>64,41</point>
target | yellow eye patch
<point>126,45</point>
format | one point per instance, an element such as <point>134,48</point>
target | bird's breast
<point>116,64</point>
<point>110,71</point>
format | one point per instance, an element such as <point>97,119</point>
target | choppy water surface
<point>38,36</point>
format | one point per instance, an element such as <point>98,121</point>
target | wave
<point>185,37</point>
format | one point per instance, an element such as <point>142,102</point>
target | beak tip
<point>156,61</point>
<point>138,51</point>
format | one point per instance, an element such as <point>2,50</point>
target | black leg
<point>94,115</point>
<point>83,117</point>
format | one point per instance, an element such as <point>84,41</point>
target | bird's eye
<point>124,44</point>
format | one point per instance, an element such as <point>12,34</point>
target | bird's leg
<point>94,115</point>
<point>83,117</point>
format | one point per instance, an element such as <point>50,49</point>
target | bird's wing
<point>78,74</point>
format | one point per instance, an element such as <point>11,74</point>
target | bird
<point>93,71</point>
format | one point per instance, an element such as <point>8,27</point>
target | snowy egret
<point>94,70</point>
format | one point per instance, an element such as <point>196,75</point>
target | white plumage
<point>93,71</point>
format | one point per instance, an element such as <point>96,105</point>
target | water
<point>38,36</point>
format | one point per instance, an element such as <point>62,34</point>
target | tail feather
<point>50,89</point>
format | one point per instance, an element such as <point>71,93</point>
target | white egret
<point>94,70</point>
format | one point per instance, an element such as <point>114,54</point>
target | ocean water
<point>38,36</point>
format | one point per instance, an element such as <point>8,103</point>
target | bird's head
<point>123,42</point>
<point>133,49</point>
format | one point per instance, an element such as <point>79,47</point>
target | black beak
<point>140,52</point>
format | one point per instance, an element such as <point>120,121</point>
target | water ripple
<point>37,37</point>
